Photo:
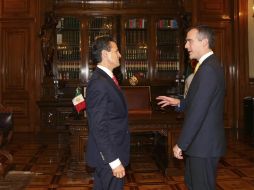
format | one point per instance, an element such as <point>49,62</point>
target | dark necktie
<point>116,82</point>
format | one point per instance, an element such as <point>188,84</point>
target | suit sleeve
<point>202,96</point>
<point>181,106</point>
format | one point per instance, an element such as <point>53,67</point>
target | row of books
<point>72,53</point>
<point>68,75</point>
<point>167,37</point>
<point>136,66</point>
<point>68,37</point>
<point>136,36</point>
<point>163,37</point>
<point>167,23</point>
<point>167,66</point>
<point>136,54</point>
<point>170,53</point>
<point>141,74</point>
<point>94,34</point>
<point>68,23</point>
<point>100,23</point>
<point>68,70</point>
<point>106,22</point>
<point>136,23</point>
<point>69,65</point>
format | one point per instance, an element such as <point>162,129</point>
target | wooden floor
<point>45,160</point>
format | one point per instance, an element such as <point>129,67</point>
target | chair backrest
<point>138,98</point>
<point>6,118</point>
<point>6,121</point>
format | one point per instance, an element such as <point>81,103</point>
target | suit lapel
<point>110,80</point>
<point>207,60</point>
<point>196,78</point>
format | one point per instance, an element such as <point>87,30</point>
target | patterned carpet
<point>41,163</point>
<point>16,180</point>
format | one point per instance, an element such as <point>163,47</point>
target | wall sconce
<point>253,9</point>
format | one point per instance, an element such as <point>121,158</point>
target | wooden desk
<point>166,124</point>
<point>78,131</point>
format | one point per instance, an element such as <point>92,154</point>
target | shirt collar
<point>106,70</point>
<point>204,57</point>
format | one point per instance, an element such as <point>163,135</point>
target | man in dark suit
<point>109,139</point>
<point>202,138</point>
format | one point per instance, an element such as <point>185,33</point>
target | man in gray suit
<point>202,138</point>
<point>108,146</point>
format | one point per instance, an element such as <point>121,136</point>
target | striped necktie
<point>196,68</point>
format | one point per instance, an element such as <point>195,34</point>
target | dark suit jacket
<point>107,114</point>
<point>202,134</point>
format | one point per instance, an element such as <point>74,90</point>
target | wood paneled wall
<point>20,63</point>
<point>244,84</point>
<point>218,15</point>
<point>22,71</point>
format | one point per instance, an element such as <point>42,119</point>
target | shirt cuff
<point>115,164</point>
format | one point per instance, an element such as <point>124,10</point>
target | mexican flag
<point>79,102</point>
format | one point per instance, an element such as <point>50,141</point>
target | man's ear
<point>103,53</point>
<point>205,42</point>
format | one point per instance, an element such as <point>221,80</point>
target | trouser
<point>200,173</point>
<point>104,180</point>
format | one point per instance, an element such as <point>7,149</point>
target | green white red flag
<point>79,102</point>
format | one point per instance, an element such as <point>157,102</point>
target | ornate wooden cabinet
<point>149,38</point>
<point>151,47</point>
